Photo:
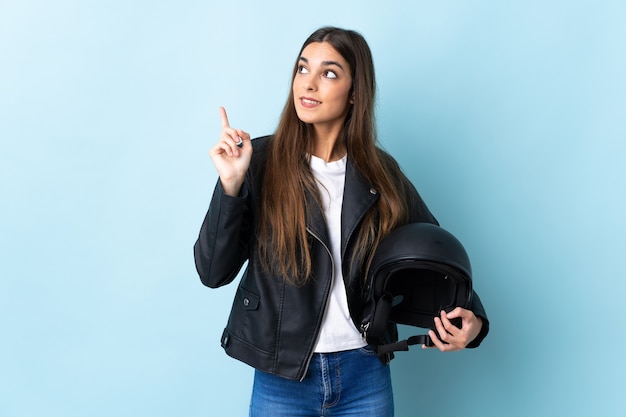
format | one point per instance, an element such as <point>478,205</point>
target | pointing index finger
<point>224,117</point>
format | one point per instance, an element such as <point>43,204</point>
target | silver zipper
<point>332,279</point>
<point>364,328</point>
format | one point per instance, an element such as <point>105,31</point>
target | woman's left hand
<point>450,336</point>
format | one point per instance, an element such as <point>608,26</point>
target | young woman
<point>306,207</point>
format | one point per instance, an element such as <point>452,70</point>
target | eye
<point>330,74</point>
<point>302,69</point>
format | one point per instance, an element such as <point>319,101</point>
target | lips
<point>309,102</point>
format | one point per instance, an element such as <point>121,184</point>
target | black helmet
<point>418,270</point>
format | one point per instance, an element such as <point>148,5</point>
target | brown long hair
<point>283,242</point>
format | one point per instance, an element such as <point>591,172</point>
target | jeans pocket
<point>367,350</point>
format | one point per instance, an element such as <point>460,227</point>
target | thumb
<point>457,312</point>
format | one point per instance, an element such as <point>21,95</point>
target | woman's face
<point>321,87</point>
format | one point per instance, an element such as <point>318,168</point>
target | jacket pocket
<point>246,299</point>
<point>246,322</point>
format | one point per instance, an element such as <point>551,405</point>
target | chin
<point>304,118</point>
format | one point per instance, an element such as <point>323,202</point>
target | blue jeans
<point>351,383</point>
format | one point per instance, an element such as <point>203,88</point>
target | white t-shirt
<point>338,332</point>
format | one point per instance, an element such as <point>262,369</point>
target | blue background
<point>509,117</point>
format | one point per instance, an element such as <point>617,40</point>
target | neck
<point>327,145</point>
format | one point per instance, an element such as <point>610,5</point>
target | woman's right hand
<point>230,160</point>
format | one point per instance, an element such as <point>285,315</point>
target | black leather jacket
<point>273,326</point>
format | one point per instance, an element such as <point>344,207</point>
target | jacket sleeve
<point>222,245</point>
<point>418,211</point>
<point>478,309</point>
<point>421,213</point>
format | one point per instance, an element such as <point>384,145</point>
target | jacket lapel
<point>316,223</point>
<point>358,197</point>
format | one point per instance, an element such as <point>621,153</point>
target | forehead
<point>321,53</point>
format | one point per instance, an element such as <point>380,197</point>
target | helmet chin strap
<point>403,345</point>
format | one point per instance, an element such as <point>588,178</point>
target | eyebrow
<point>324,63</point>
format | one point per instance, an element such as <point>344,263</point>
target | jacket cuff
<point>243,193</point>
<point>483,333</point>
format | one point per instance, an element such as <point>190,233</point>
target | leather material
<point>276,328</point>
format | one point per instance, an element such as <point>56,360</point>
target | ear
<point>352,99</point>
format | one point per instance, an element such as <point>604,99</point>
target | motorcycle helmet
<point>417,271</point>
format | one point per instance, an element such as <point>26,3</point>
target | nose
<point>310,84</point>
